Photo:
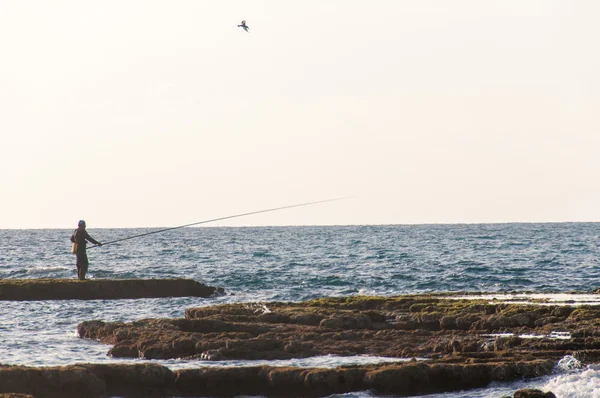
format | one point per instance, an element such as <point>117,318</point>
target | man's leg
<point>84,269</point>
<point>82,265</point>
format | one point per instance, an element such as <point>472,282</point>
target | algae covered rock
<point>461,344</point>
<point>100,289</point>
<point>533,393</point>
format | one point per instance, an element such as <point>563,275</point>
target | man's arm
<point>94,241</point>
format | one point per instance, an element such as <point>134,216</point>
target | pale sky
<point>141,113</point>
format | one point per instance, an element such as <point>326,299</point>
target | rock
<point>417,307</point>
<point>359,321</point>
<point>306,319</point>
<point>587,357</point>
<point>430,321</point>
<point>96,289</point>
<point>376,316</point>
<point>325,382</point>
<point>284,379</point>
<point>121,350</point>
<point>331,323</point>
<point>562,312</point>
<point>471,344</point>
<point>490,309</point>
<point>144,380</point>
<point>522,320</point>
<point>150,380</point>
<point>533,393</point>
<point>500,322</point>
<point>546,320</point>
<point>69,381</point>
<point>453,336</point>
<point>503,343</point>
<point>448,322</point>
<point>465,322</point>
<point>273,317</point>
<point>303,329</point>
<point>421,378</point>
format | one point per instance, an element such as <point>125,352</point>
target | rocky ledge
<point>459,343</point>
<point>150,380</point>
<point>95,289</point>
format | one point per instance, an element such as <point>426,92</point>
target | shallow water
<point>293,264</point>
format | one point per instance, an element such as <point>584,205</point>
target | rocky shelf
<point>151,380</point>
<point>449,343</point>
<point>96,289</point>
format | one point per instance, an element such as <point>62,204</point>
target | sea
<point>294,263</point>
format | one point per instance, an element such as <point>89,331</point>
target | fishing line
<point>218,219</point>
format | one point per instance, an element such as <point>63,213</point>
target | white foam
<point>584,384</point>
<point>48,269</point>
<point>541,298</point>
<point>552,335</point>
<point>560,335</point>
<point>325,361</point>
<point>568,363</point>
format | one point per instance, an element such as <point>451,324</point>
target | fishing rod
<point>219,219</point>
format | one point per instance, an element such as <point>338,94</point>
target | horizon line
<point>325,225</point>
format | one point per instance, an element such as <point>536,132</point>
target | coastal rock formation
<point>133,381</point>
<point>415,378</point>
<point>461,343</point>
<point>88,380</point>
<point>95,289</point>
<point>402,327</point>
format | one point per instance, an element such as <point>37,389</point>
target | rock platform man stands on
<point>80,238</point>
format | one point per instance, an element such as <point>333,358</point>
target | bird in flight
<point>244,26</point>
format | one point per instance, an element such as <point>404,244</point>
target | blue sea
<point>262,264</point>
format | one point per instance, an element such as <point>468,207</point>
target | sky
<point>141,113</point>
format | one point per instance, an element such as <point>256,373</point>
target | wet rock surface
<point>533,393</point>
<point>88,380</point>
<point>16,395</point>
<point>460,344</point>
<point>96,289</point>
<point>402,327</point>
<point>102,380</point>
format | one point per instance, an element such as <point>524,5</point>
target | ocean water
<point>262,264</point>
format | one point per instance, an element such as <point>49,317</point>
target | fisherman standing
<point>80,238</point>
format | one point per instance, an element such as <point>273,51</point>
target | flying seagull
<point>244,26</point>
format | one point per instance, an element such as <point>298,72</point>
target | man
<point>80,238</point>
